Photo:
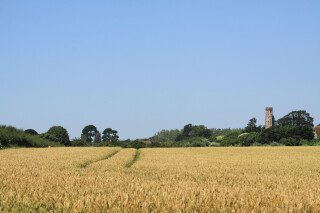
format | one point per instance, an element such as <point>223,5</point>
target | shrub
<point>290,141</point>
<point>215,144</point>
<point>276,144</point>
<point>276,133</point>
<point>156,144</point>
<point>230,139</point>
<point>242,134</point>
<point>49,137</point>
<point>136,144</point>
<point>198,142</point>
<point>316,144</point>
<point>304,142</point>
<point>79,142</point>
<point>247,139</point>
<point>257,144</point>
<point>11,136</point>
<point>220,138</point>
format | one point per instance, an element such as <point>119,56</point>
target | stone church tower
<point>269,117</point>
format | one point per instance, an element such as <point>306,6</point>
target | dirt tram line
<point>134,159</point>
<point>87,163</point>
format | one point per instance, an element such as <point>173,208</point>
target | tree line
<point>55,136</point>
<point>294,129</point>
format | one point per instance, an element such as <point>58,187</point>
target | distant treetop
<point>31,132</point>
<point>296,118</point>
<point>61,133</point>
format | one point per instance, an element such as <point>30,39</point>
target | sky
<point>142,66</point>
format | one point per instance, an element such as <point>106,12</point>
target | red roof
<point>317,130</point>
<point>147,142</point>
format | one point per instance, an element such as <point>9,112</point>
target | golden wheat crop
<point>253,179</point>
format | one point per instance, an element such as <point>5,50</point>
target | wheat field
<point>253,179</point>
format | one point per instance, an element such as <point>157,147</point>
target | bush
<point>79,142</point>
<point>215,144</point>
<point>276,133</point>
<point>219,138</point>
<point>247,139</point>
<point>304,142</point>
<point>276,144</point>
<point>230,139</point>
<point>11,136</point>
<point>229,142</point>
<point>290,141</point>
<point>316,144</point>
<point>136,144</point>
<point>49,137</point>
<point>198,142</point>
<point>156,144</point>
<point>257,144</point>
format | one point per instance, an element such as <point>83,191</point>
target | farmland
<point>97,179</point>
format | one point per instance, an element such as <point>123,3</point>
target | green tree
<point>200,131</point>
<point>230,139</point>
<point>246,139</point>
<point>31,132</point>
<point>89,132</point>
<point>97,137</point>
<point>219,133</point>
<point>11,136</point>
<point>49,137</point>
<point>190,131</point>
<point>276,133</point>
<point>137,144</point>
<point>165,136</point>
<point>61,134</point>
<point>296,118</point>
<point>109,135</point>
<point>252,126</point>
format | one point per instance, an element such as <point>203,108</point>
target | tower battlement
<point>269,109</point>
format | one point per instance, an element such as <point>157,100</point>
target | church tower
<point>269,117</point>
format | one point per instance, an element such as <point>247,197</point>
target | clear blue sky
<point>142,66</point>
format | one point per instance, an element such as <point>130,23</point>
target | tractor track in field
<point>134,159</point>
<point>87,163</point>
